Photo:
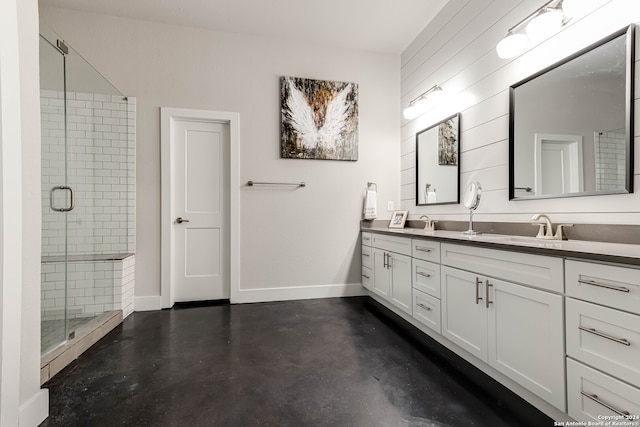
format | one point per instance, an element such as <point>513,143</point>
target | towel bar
<point>297,184</point>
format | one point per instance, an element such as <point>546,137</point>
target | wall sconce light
<point>540,24</point>
<point>420,104</point>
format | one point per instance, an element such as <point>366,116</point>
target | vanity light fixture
<point>420,104</point>
<point>540,24</point>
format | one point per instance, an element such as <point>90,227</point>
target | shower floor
<point>52,332</point>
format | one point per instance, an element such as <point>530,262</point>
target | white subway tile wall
<point>100,167</point>
<point>98,161</point>
<point>610,160</point>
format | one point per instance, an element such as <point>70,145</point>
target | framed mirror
<point>438,163</point>
<point>571,124</point>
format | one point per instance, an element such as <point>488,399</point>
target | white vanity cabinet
<point>516,329</point>
<point>367,275</point>
<point>603,339</point>
<point>391,268</point>
<point>426,283</point>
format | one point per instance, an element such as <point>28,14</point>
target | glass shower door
<point>57,197</point>
<point>86,165</point>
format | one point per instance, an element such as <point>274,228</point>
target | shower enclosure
<point>87,179</point>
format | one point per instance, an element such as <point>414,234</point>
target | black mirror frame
<point>457,201</point>
<point>629,104</point>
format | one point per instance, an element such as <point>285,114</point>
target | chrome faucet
<point>430,225</point>
<point>546,229</point>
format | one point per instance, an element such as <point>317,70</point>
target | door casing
<point>168,116</point>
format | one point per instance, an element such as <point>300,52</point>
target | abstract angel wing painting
<point>319,119</point>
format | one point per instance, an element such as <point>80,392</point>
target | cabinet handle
<point>424,306</point>
<point>366,277</point>
<point>478,297</point>
<point>603,335</point>
<point>595,398</point>
<point>422,249</point>
<point>365,254</point>
<point>389,259</point>
<point>487,293</point>
<point>423,274</point>
<point>603,285</point>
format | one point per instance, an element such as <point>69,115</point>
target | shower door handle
<point>71,198</point>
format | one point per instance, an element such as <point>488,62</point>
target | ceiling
<point>371,25</point>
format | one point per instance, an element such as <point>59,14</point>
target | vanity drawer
<point>426,250</point>
<point>604,338</point>
<point>366,256</point>
<point>426,277</point>
<point>367,278</point>
<point>541,271</point>
<point>614,286</point>
<point>366,238</point>
<point>400,245</point>
<point>591,394</point>
<point>426,310</point>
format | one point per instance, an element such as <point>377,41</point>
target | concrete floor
<point>329,362</point>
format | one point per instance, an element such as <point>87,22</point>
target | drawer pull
<point>594,397</point>
<point>365,255</point>
<point>424,306</point>
<point>423,249</point>
<point>478,297</point>
<point>604,285</point>
<point>603,335</point>
<point>366,277</point>
<point>423,274</point>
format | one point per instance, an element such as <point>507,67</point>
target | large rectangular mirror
<point>571,124</point>
<point>437,163</point>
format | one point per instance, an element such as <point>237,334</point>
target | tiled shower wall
<point>611,154</point>
<point>100,160</point>
<point>100,166</point>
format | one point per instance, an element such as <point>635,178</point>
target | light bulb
<point>512,45</point>
<point>545,24</point>
<point>411,112</point>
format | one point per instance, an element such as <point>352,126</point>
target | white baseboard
<point>299,292</point>
<point>149,303</point>
<point>35,410</point>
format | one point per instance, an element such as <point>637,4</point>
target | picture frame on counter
<point>398,218</point>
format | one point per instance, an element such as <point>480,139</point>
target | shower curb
<point>57,359</point>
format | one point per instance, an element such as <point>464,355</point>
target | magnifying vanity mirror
<point>471,200</point>
<point>437,163</point>
<point>571,125</point>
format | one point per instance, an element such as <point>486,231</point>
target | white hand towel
<point>431,197</point>
<point>370,203</point>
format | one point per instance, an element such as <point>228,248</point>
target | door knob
<point>179,220</point>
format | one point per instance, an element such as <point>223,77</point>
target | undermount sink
<point>534,241</point>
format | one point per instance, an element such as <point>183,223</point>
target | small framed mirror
<point>571,124</point>
<point>438,163</point>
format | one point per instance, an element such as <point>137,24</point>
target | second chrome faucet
<point>546,229</point>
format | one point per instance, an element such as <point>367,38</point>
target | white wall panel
<point>457,51</point>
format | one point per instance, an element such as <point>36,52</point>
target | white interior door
<point>201,198</point>
<point>558,164</point>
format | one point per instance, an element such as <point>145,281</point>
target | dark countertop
<point>621,253</point>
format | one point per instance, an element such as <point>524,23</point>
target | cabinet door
<point>381,274</point>
<point>400,267</point>
<point>526,339</point>
<point>464,316</point>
